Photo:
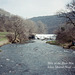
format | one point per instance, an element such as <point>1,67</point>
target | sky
<point>33,8</point>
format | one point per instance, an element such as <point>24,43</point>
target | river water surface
<point>37,58</point>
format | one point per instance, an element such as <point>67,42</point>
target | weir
<point>45,36</point>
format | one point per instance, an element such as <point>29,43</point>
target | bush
<point>66,36</point>
<point>10,37</point>
<point>21,38</point>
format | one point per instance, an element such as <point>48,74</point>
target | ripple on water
<point>32,58</point>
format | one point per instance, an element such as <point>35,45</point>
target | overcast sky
<point>33,8</point>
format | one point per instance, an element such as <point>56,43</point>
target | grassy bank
<point>65,45</point>
<point>3,38</point>
<point>53,42</point>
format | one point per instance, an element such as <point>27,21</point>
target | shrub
<point>10,37</point>
<point>66,36</point>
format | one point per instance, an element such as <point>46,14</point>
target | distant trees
<point>41,27</point>
<point>20,29</point>
<point>2,22</point>
<point>67,33</point>
<point>4,17</point>
<point>31,27</point>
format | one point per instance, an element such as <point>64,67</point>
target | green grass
<point>65,45</point>
<point>2,39</point>
<point>53,42</point>
<point>3,33</point>
<point>3,36</point>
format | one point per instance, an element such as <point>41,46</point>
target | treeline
<point>20,29</point>
<point>52,22</point>
<point>66,33</point>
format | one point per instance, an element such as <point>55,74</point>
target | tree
<point>18,28</point>
<point>69,13</point>
<point>2,22</point>
<point>30,26</point>
<point>67,33</point>
<point>41,28</point>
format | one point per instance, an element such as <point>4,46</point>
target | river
<point>37,58</point>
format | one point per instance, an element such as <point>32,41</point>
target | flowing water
<point>37,58</point>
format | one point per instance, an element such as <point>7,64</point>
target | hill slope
<point>52,22</point>
<point>3,12</point>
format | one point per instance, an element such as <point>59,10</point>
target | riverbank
<point>3,38</point>
<point>3,42</point>
<point>36,58</point>
<point>65,45</point>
